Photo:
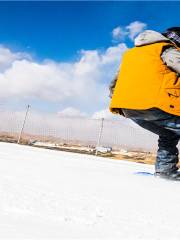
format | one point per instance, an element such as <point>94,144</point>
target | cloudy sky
<point>60,57</point>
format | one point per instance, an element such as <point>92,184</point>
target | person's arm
<point>112,85</point>
<point>171,57</point>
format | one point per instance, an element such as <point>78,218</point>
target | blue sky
<point>58,31</point>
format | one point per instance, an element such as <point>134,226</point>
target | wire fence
<point>32,127</point>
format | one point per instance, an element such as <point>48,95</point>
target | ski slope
<point>47,194</point>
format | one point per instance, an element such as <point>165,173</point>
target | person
<point>147,91</point>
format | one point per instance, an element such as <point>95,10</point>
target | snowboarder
<point>147,90</point>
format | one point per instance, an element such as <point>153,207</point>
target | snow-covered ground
<point>47,194</point>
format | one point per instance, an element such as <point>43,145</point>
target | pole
<point>100,135</point>
<point>24,122</point>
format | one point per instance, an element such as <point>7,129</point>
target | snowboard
<point>146,174</point>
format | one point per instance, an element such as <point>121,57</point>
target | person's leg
<point>167,127</point>
<point>167,154</point>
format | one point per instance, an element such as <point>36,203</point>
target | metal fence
<point>31,126</point>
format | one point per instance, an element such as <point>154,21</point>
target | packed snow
<point>46,194</point>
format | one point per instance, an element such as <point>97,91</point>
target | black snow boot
<point>175,176</point>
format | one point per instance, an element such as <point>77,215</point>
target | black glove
<point>112,86</point>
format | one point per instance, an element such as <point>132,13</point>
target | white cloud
<point>121,32</point>
<point>71,112</point>
<point>135,28</point>
<point>82,82</point>
<point>7,57</point>
<point>113,54</point>
<point>105,113</point>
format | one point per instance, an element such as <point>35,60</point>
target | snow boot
<point>175,176</point>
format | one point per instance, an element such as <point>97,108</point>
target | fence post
<point>100,134</point>
<point>24,122</point>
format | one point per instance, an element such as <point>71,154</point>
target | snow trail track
<point>47,194</point>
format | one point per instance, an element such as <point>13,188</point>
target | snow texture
<point>47,194</point>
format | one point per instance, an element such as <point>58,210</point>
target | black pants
<point>167,127</point>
